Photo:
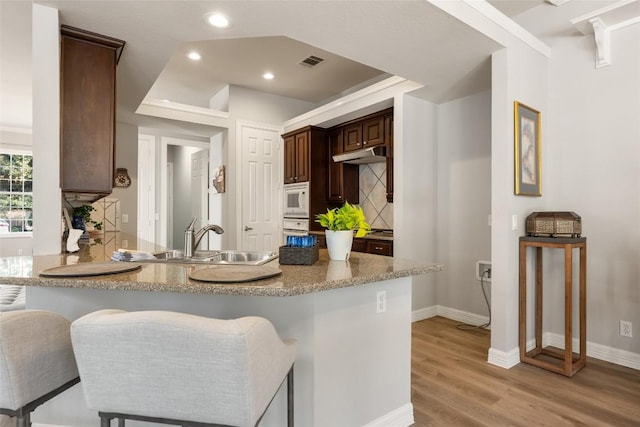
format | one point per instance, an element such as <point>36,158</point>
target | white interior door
<point>146,188</point>
<point>200,193</point>
<point>260,187</point>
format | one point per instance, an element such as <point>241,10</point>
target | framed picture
<point>527,150</point>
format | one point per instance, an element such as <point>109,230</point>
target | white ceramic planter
<point>339,244</point>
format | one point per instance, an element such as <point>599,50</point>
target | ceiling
<point>409,38</point>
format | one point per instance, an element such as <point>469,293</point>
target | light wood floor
<point>453,385</point>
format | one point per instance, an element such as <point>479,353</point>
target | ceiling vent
<point>311,61</point>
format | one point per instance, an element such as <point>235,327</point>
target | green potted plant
<point>340,224</point>
<point>81,216</point>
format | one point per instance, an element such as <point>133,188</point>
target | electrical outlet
<point>125,218</point>
<point>125,244</point>
<point>483,270</point>
<point>626,328</point>
<point>381,301</point>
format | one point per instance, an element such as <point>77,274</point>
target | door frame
<point>165,141</point>
<point>240,158</point>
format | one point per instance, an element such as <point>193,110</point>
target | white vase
<point>339,244</point>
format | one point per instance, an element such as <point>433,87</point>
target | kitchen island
<point>353,366</point>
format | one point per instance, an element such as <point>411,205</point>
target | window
<point>16,192</point>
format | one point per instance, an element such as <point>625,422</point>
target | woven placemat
<point>234,273</point>
<point>89,269</point>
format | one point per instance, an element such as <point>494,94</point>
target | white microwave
<point>296,200</point>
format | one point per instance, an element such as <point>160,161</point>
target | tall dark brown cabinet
<point>305,159</point>
<point>88,102</point>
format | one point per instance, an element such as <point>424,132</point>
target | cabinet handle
<point>378,248</point>
<point>364,143</point>
<point>247,228</point>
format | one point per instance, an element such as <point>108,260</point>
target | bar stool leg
<point>24,420</point>
<point>290,398</point>
<point>105,421</point>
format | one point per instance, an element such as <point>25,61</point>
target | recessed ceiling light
<point>193,55</point>
<point>218,20</point>
<point>268,76</point>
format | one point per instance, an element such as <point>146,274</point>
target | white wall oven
<point>295,227</point>
<point>296,200</point>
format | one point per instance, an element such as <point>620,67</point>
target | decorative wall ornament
<point>528,169</point>
<point>218,179</point>
<point>121,179</point>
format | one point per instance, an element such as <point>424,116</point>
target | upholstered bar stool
<point>181,369</point>
<point>36,361</point>
<point>12,297</point>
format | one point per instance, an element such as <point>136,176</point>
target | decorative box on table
<point>293,255</point>
<point>554,224</point>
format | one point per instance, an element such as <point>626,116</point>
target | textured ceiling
<point>359,40</point>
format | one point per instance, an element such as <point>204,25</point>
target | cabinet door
<point>289,159</point>
<point>87,119</point>
<point>352,135</point>
<point>373,132</point>
<point>388,136</point>
<point>302,157</point>
<point>342,179</point>
<point>380,247</point>
<point>359,245</point>
<point>335,176</point>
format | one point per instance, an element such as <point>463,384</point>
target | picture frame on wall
<point>528,168</point>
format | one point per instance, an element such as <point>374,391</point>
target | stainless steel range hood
<point>368,155</point>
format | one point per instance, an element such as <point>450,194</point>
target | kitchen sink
<point>225,257</point>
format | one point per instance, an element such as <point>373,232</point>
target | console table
<point>547,357</point>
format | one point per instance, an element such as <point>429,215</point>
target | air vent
<point>311,61</point>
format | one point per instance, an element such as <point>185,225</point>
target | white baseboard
<point>424,313</point>
<point>401,417</point>
<point>512,357</point>
<point>504,359</point>
<point>449,313</point>
<point>597,351</point>
<point>462,316</point>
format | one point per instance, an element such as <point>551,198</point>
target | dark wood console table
<point>545,357</point>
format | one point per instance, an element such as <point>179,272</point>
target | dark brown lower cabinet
<point>371,246</point>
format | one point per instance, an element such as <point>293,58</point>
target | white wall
<point>464,200</point>
<point>127,157</point>
<point>594,127</point>
<point>47,202</point>
<point>256,106</point>
<point>518,74</point>
<point>415,191</point>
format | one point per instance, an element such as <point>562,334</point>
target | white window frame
<point>13,149</point>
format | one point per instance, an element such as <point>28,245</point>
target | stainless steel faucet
<point>192,238</point>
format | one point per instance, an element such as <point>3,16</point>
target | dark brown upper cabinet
<point>364,133</point>
<point>342,180</point>
<point>296,157</point>
<point>88,102</point>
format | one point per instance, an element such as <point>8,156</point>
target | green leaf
<point>347,217</point>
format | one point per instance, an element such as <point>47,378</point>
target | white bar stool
<point>181,369</point>
<point>36,361</point>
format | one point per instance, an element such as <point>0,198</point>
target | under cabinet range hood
<point>368,155</point>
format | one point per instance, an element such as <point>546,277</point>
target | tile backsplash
<point>373,195</point>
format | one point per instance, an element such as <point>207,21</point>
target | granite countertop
<point>324,275</point>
